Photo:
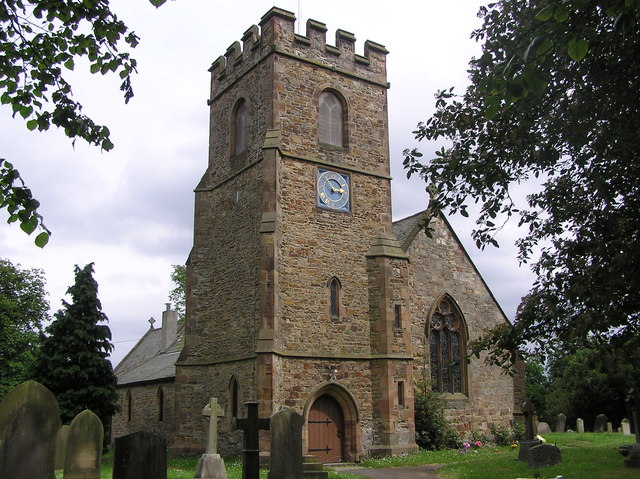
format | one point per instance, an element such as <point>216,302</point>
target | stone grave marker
<point>609,427</point>
<point>601,423</point>
<point>286,445</point>
<point>633,458</point>
<point>251,426</point>
<point>529,428</point>
<point>579,426</point>
<point>544,455</point>
<point>140,455</point>
<point>543,428</point>
<point>29,422</point>
<point>625,425</point>
<point>61,445</point>
<point>561,422</point>
<point>84,447</point>
<point>210,464</point>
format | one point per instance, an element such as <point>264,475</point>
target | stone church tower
<point>297,289</point>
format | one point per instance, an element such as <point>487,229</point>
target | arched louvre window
<point>331,119</point>
<point>447,349</point>
<point>240,128</point>
<point>160,405</point>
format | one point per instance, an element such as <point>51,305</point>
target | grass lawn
<point>584,456</point>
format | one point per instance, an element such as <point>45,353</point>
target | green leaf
<point>561,13</point>
<point>30,225</point>
<point>42,239</point>
<point>32,125</point>
<point>546,13</point>
<point>95,68</point>
<point>157,3</point>
<point>577,49</point>
<point>490,108</point>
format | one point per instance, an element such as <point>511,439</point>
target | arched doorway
<point>326,430</point>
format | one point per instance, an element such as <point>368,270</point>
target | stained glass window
<point>446,349</point>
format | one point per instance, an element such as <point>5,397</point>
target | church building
<point>301,290</point>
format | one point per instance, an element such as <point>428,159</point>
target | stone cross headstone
<point>625,425</point>
<point>251,426</point>
<point>544,455</point>
<point>579,426</point>
<point>61,445</point>
<point>529,430</point>
<point>29,422</point>
<point>286,445</point>
<point>140,455</point>
<point>84,447</point>
<point>561,422</point>
<point>600,424</point>
<point>210,464</point>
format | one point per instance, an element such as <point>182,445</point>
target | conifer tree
<point>73,360</point>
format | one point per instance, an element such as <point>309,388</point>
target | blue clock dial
<point>333,190</point>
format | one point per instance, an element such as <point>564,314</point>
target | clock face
<point>333,190</point>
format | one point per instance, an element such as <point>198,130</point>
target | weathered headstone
<point>544,455</point>
<point>210,464</point>
<point>61,445</point>
<point>29,421</point>
<point>633,459</point>
<point>286,445</point>
<point>561,422</point>
<point>579,426</point>
<point>609,427</point>
<point>543,428</point>
<point>625,425</point>
<point>141,455</point>
<point>84,447</point>
<point>251,426</point>
<point>529,428</point>
<point>600,424</point>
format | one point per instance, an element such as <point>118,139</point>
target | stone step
<point>312,468</point>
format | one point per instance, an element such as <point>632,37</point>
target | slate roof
<point>406,228</point>
<point>146,361</point>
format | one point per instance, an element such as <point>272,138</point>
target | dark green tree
<point>537,385</point>
<point>553,98</point>
<point>23,310</point>
<point>40,40</point>
<point>73,360</point>
<point>178,294</point>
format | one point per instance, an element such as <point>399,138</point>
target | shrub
<point>503,436</point>
<point>433,432</point>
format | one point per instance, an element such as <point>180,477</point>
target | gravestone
<point>561,422</point>
<point>29,422</point>
<point>61,445</point>
<point>286,445</point>
<point>84,447</point>
<point>625,425</point>
<point>609,427</point>
<point>543,428</point>
<point>251,426</point>
<point>544,455</point>
<point>210,464</point>
<point>140,455</point>
<point>529,428</point>
<point>601,423</point>
<point>579,426</point>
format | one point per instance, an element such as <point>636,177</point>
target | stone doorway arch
<point>332,409</point>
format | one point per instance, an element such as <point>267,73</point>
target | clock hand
<point>338,190</point>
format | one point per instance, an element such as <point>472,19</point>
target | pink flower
<point>478,444</point>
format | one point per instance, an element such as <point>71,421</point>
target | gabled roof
<point>146,361</point>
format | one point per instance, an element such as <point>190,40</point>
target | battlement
<point>276,34</point>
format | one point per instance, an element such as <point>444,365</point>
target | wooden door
<point>325,427</point>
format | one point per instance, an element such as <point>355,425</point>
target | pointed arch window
<point>335,291</point>
<point>129,406</point>
<point>331,119</point>
<point>233,399</point>
<point>447,347</point>
<point>160,405</point>
<point>239,127</point>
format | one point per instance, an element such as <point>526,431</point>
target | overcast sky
<point>130,211</point>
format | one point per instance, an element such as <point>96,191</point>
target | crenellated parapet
<point>276,35</point>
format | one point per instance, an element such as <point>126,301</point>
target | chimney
<point>169,328</point>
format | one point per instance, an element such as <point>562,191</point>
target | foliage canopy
<point>73,360</point>
<point>23,310</point>
<point>553,99</point>
<point>40,42</point>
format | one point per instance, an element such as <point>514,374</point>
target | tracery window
<point>447,349</point>
<point>331,124</point>
<point>240,127</point>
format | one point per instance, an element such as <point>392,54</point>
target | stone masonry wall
<point>145,414</point>
<point>440,266</point>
